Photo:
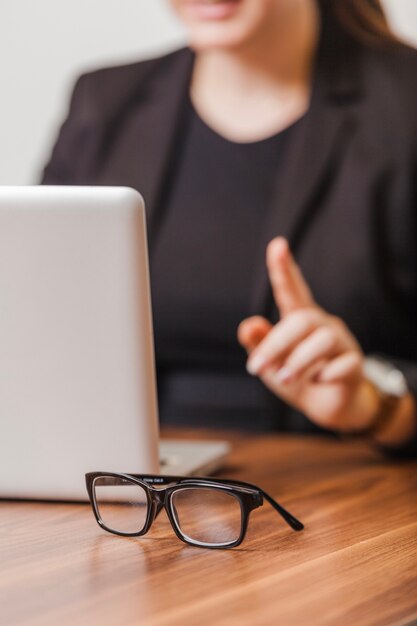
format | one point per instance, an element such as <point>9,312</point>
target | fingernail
<point>285,376</point>
<point>255,364</point>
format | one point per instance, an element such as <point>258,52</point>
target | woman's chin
<point>219,23</point>
<point>226,38</point>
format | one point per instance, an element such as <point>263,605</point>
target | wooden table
<point>354,564</point>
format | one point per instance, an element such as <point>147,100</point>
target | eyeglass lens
<point>207,516</point>
<point>122,505</point>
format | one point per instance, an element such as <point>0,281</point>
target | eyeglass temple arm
<point>286,515</point>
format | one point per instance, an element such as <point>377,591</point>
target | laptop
<point>77,373</point>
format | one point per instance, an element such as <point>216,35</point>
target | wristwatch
<point>390,385</point>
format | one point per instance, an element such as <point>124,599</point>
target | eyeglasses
<point>205,512</point>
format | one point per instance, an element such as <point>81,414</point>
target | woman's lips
<point>217,10</point>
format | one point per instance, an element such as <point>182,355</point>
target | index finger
<point>289,287</point>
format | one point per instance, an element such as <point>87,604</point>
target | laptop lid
<point>77,375</point>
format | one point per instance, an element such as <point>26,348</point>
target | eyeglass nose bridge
<point>159,498</point>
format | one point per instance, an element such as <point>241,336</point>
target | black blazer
<point>347,198</point>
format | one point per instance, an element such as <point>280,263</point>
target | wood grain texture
<point>355,563</point>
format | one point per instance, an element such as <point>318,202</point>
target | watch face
<point>386,377</point>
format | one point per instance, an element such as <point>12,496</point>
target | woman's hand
<point>310,358</point>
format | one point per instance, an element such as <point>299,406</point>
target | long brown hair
<point>365,20</point>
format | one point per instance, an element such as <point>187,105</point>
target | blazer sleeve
<point>67,155</point>
<point>409,369</point>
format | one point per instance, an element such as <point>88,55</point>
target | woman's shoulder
<point>115,84</point>
<point>393,68</point>
<point>139,70</point>
<point>390,89</point>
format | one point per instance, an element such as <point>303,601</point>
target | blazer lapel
<point>316,146</point>
<point>318,142</point>
<point>151,119</point>
<point>161,127</point>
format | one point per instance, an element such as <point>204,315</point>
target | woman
<point>285,121</point>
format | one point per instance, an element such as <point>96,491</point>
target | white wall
<point>45,44</point>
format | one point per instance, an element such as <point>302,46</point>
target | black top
<point>202,265</point>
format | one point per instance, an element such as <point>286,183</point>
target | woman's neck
<point>254,91</point>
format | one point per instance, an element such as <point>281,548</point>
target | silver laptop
<point>77,374</point>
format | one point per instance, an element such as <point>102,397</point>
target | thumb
<point>252,331</point>
<point>289,287</point>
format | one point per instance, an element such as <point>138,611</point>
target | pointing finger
<point>289,287</point>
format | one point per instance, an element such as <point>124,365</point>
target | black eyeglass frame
<point>249,496</point>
